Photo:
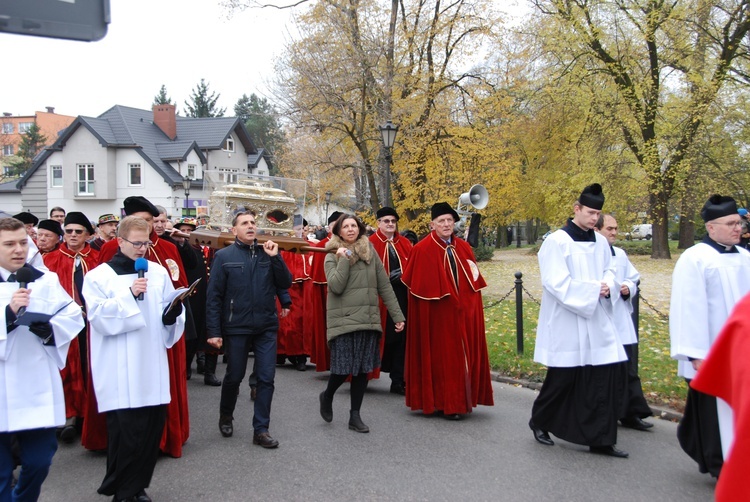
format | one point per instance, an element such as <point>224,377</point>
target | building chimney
<point>7,114</point>
<point>50,109</point>
<point>164,118</point>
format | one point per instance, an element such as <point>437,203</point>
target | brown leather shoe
<point>265,440</point>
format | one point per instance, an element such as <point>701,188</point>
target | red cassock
<point>403,248</point>
<point>726,374</point>
<point>62,262</point>
<point>315,295</point>
<point>290,341</point>
<point>447,367</point>
<point>177,428</point>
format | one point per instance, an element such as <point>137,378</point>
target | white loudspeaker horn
<point>477,196</point>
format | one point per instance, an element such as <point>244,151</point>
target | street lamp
<point>328,201</point>
<point>388,131</point>
<point>186,186</point>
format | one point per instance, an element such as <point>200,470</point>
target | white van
<point>640,232</point>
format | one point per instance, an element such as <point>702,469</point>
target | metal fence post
<point>519,313</point>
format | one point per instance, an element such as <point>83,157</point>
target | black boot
<point>209,377</point>
<point>200,362</point>
<point>356,423</point>
<point>225,425</point>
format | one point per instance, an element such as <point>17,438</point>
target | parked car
<point>640,232</point>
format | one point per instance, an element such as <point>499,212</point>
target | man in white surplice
<point>129,341</point>
<point>32,404</point>
<point>626,280</point>
<point>708,280</point>
<point>583,394</point>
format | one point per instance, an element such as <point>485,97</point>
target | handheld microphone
<point>24,277</point>
<point>141,266</point>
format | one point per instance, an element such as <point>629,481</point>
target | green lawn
<point>658,371</point>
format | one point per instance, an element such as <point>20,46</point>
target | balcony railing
<point>84,188</point>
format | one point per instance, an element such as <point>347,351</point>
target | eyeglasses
<point>388,221</point>
<point>138,244</point>
<point>732,224</point>
<point>78,231</point>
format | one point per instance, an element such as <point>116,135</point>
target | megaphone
<point>477,196</point>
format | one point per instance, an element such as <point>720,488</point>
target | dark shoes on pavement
<point>141,496</point>
<point>253,392</point>
<point>265,440</point>
<point>210,379</point>
<point>68,434</point>
<point>356,423</point>
<point>326,407</point>
<point>225,425</point>
<point>636,423</point>
<point>610,451</point>
<point>540,435</point>
<point>398,388</point>
<point>301,363</point>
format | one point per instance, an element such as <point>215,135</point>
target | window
<point>85,179</point>
<point>134,173</point>
<point>8,128</point>
<point>228,145</point>
<point>56,176</point>
<point>228,175</point>
<point>191,171</point>
<point>24,127</point>
<point>7,150</point>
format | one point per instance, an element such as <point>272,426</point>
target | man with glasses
<point>393,250</point>
<point>31,356</point>
<point>708,280</point>
<point>131,331</point>
<point>71,262</point>
<point>165,254</point>
<point>447,366</point>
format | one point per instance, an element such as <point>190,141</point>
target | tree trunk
<point>687,220</point>
<point>658,202</point>
<point>502,236</point>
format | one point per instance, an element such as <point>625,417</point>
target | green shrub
<point>484,253</point>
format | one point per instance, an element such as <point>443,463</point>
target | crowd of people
<point>103,309</point>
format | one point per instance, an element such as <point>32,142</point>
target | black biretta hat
<point>441,208</point>
<point>592,196</point>
<point>138,204</point>
<point>26,218</point>
<point>334,216</point>
<point>78,218</point>
<point>386,211</point>
<point>718,206</point>
<point>51,225</point>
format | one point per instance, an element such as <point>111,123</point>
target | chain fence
<point>641,298</point>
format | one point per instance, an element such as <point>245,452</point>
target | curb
<point>659,411</point>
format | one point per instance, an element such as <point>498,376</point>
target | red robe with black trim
<point>62,262</point>
<point>315,299</point>
<point>403,248</point>
<point>290,340</point>
<point>447,367</point>
<point>177,428</point>
<point>725,373</point>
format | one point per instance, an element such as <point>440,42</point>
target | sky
<point>149,43</point>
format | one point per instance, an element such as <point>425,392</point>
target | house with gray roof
<point>97,162</point>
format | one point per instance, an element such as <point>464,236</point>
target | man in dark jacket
<point>241,314</point>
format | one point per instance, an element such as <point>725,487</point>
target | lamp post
<point>186,186</point>
<point>328,201</point>
<point>388,132</point>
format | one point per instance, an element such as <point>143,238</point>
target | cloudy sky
<point>149,43</point>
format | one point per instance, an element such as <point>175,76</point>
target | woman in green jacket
<point>356,279</point>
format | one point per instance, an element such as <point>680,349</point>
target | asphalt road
<point>489,455</point>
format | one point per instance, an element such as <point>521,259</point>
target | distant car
<point>640,232</point>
